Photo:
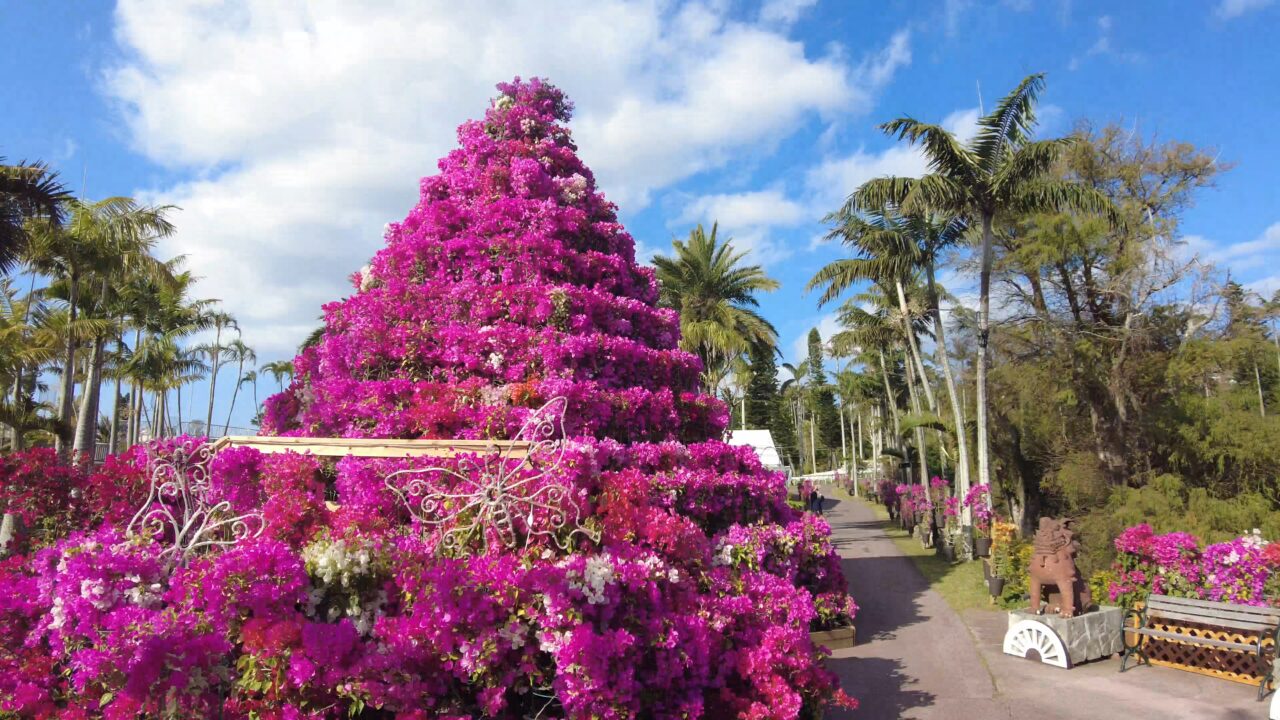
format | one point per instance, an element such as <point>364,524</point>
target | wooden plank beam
<point>373,447</point>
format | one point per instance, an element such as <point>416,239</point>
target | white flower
<point>573,188</point>
<point>495,360</point>
<point>528,125</point>
<point>367,279</point>
<point>723,556</point>
<point>596,576</point>
<point>58,614</point>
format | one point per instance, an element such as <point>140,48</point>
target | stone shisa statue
<point>1053,563</point>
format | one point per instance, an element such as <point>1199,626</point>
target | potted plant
<point>976,501</point>
<point>950,527</point>
<point>1009,558</point>
<point>833,627</point>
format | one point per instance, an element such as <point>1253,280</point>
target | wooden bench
<point>1244,630</point>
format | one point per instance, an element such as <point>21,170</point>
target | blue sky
<point>290,133</point>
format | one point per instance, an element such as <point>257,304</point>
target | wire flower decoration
<point>495,494</point>
<point>178,502</point>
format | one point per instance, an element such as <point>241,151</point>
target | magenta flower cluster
<point>691,594</point>
<point>1237,571</point>
<point>913,499</point>
<point>976,501</point>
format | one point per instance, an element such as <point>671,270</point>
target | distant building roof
<point>762,442</point>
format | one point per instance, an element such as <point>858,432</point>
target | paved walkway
<point>916,658</point>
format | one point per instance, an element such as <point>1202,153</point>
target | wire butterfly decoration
<point>178,502</point>
<point>496,495</point>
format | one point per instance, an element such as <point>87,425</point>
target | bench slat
<point>1250,618</point>
<point>1188,640</point>
<point>1272,614</point>
<point>1252,626</point>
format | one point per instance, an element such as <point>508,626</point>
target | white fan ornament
<point>495,493</point>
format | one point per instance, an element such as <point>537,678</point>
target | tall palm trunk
<point>957,412</point>
<point>235,392</point>
<point>853,453</point>
<point>859,453</point>
<point>113,437</point>
<point>844,445</point>
<point>813,443</point>
<point>889,399</point>
<point>915,350</point>
<point>984,336</point>
<point>87,422</point>
<point>66,397</point>
<point>18,407</point>
<point>1262,402</point>
<point>213,378</point>
<point>921,448</point>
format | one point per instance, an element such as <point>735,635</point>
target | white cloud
<point>748,218</point>
<point>1228,9</point>
<point>305,127</point>
<point>761,207</point>
<point>784,11</point>
<point>878,69</point>
<point>1241,257</point>
<point>1104,46</point>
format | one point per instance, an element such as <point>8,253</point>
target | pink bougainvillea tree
<point>667,578</point>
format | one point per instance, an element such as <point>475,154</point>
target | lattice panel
<point>1217,662</point>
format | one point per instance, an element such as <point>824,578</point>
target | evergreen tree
<point>765,406</point>
<point>824,398</point>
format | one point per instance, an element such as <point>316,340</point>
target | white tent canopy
<point>762,442</point>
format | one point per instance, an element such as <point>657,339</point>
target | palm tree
<point>279,370</point>
<point>1000,172</point>
<point>241,353</point>
<point>26,192</point>
<point>873,335</point>
<point>100,242</point>
<point>29,339</point>
<point>220,320</point>
<point>715,294</point>
<point>799,389</point>
<point>251,377</point>
<point>891,250</point>
<point>164,316</point>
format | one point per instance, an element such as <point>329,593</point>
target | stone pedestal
<point>1090,636</point>
<point>10,529</point>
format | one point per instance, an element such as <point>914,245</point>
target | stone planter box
<point>837,639</point>
<point>1091,636</point>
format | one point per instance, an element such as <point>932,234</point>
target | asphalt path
<point>917,658</point>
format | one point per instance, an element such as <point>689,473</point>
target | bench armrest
<point>1141,617</point>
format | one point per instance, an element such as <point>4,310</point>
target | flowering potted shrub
<point>906,505</point>
<point>1005,552</point>
<point>951,527</point>
<point>976,501</point>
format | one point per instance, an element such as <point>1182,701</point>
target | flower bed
<point>1241,571</point>
<point>668,579</point>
